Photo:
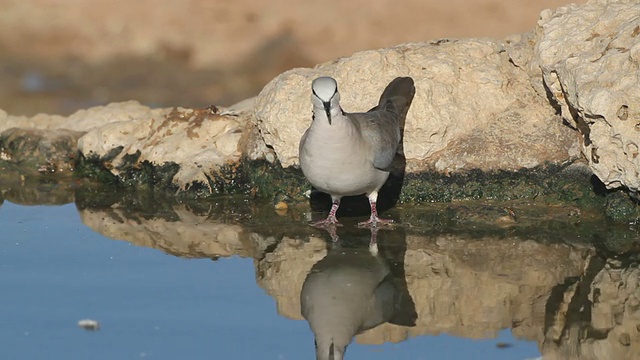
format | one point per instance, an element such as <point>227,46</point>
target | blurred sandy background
<point>57,56</point>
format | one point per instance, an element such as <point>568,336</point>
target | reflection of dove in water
<point>346,293</point>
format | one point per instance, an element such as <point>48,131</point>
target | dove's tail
<point>397,97</point>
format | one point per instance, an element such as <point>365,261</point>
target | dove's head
<point>325,95</point>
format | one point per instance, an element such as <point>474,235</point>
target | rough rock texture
<point>40,121</point>
<point>49,143</point>
<point>589,57</point>
<point>599,317</point>
<point>473,108</point>
<point>200,141</point>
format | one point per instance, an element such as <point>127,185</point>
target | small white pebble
<point>88,324</point>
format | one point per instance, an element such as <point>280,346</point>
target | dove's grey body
<point>344,294</point>
<point>346,154</point>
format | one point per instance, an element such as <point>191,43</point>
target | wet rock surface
<point>40,151</point>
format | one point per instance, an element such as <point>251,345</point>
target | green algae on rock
<point>36,151</point>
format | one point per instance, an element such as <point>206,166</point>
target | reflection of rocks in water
<point>194,229</point>
<point>349,291</point>
<point>40,193</point>
<point>596,316</point>
<point>470,287</point>
<point>577,305</point>
<point>223,226</point>
<point>190,235</point>
<point>476,287</point>
<point>282,270</point>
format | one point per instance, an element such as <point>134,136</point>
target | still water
<point>225,283</point>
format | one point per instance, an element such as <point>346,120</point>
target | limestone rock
<point>49,143</point>
<point>200,141</point>
<point>40,121</point>
<point>589,57</point>
<point>473,108</point>
<point>85,120</point>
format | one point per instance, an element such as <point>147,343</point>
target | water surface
<point>225,281</point>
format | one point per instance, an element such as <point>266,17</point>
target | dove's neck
<point>339,122</point>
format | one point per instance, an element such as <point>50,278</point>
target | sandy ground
<point>58,56</point>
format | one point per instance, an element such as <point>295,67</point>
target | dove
<point>347,154</point>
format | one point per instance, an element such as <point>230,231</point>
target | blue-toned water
<point>55,271</point>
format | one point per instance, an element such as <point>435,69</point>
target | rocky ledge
<point>549,115</point>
